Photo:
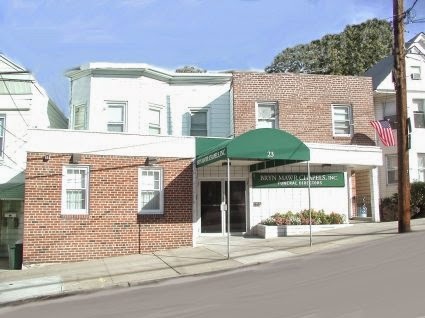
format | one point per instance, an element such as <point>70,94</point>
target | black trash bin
<point>19,250</point>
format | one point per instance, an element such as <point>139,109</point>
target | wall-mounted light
<point>46,158</point>
<point>150,161</point>
<point>75,158</point>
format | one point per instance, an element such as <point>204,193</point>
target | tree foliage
<point>351,52</point>
<point>190,69</point>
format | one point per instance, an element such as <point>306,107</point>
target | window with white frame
<point>199,123</point>
<point>392,169</point>
<point>80,117</point>
<point>151,193</point>
<point>415,72</point>
<point>2,130</point>
<point>390,113</point>
<point>117,116</point>
<point>75,189</point>
<point>267,115</point>
<point>419,113</point>
<point>421,166</point>
<point>154,120</point>
<point>342,120</point>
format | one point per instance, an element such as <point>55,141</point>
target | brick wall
<point>112,226</point>
<point>305,104</point>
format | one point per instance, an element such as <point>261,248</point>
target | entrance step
<point>360,220</point>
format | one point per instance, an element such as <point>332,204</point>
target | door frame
<point>223,181</point>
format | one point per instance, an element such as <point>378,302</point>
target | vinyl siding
<point>175,101</point>
<point>56,118</point>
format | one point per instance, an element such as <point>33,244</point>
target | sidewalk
<point>210,255</point>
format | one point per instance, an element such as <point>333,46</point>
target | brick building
<point>149,158</point>
<point>329,114</point>
<point>120,180</point>
<point>113,226</point>
<point>90,201</point>
<point>303,105</point>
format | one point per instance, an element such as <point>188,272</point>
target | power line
<point>13,161</point>
<point>8,131</point>
<point>94,151</point>
<point>411,8</point>
<point>410,14</point>
<point>421,20</point>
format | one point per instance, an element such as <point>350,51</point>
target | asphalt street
<point>379,278</point>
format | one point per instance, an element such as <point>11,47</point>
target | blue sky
<point>49,37</point>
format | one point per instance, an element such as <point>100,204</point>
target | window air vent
<point>416,76</point>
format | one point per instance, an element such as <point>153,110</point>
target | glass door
<point>211,198</point>
<point>213,193</point>
<point>237,206</point>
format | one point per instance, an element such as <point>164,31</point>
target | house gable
<point>6,65</point>
<point>381,72</point>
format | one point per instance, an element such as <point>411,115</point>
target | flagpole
<point>376,137</point>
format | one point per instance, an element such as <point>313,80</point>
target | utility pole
<point>402,131</point>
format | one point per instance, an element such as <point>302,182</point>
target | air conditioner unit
<point>416,76</point>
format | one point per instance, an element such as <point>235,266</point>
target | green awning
<point>12,191</point>
<point>270,147</point>
<point>204,144</point>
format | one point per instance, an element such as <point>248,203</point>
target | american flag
<point>385,132</point>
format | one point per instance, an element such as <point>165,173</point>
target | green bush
<point>389,205</point>
<point>417,197</point>
<point>336,218</point>
<point>303,218</point>
<point>389,208</point>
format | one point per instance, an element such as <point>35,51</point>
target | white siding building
<point>24,104</point>
<point>385,108</point>
<point>138,98</point>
